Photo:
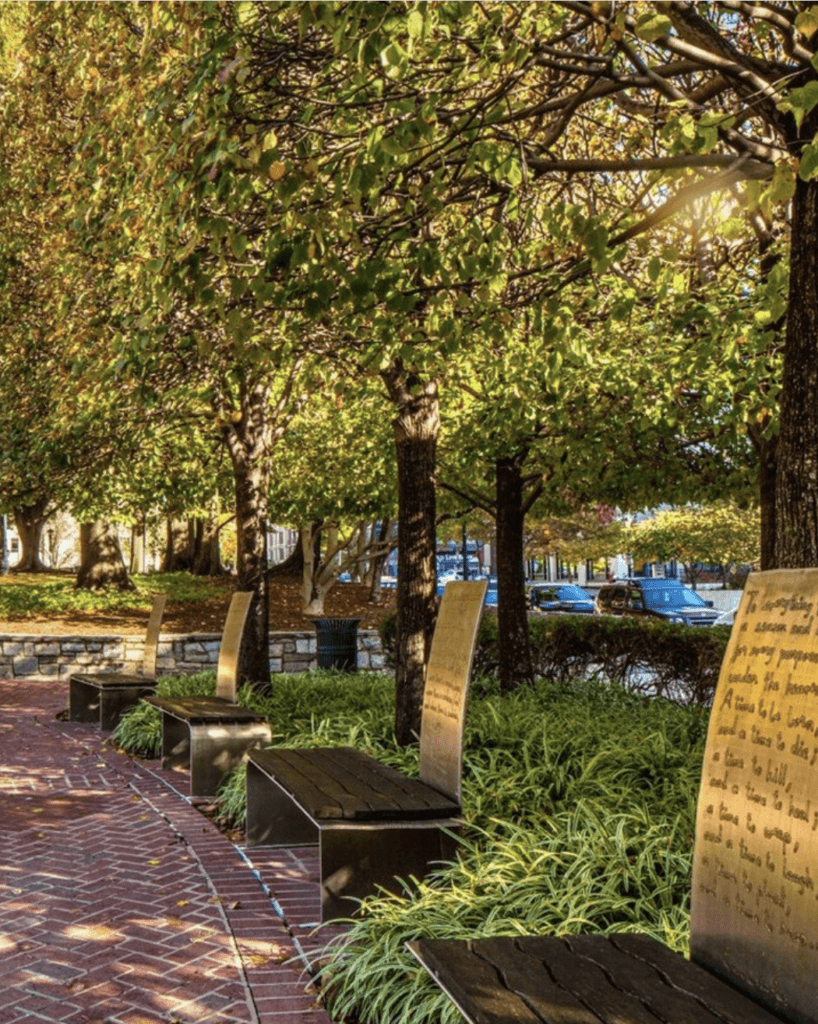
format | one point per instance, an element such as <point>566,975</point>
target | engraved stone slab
<point>447,683</point>
<point>755,902</point>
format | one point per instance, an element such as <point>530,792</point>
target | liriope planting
<point>579,801</point>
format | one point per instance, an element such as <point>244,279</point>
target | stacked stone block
<point>56,657</point>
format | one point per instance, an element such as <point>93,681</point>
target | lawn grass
<point>580,803</point>
<point>30,595</point>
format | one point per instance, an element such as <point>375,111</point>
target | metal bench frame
<point>372,849</point>
<point>102,698</point>
<point>209,736</point>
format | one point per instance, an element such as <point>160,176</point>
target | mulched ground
<point>345,600</point>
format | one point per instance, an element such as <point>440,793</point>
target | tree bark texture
<point>102,562</point>
<point>416,427</point>
<point>796,504</point>
<point>767,461</point>
<point>138,546</point>
<point>247,441</point>
<point>514,645</point>
<point>30,521</point>
<point>206,550</point>
<point>178,547</point>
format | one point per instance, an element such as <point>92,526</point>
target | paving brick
<point>119,902</point>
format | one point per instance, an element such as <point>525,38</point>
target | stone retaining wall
<point>56,657</point>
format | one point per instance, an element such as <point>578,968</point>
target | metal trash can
<point>337,643</point>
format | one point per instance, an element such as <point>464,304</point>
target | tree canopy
<point>578,237</point>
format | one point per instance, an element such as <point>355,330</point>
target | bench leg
<point>115,701</point>
<point>83,702</point>
<point>273,817</point>
<point>357,860</point>
<point>175,743</point>
<point>217,749</point>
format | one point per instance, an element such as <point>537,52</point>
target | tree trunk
<point>137,561</point>
<point>376,565</point>
<point>178,547</point>
<point>207,554</point>
<point>293,564</point>
<point>248,444</point>
<point>514,645</point>
<point>796,504</point>
<point>311,602</point>
<point>102,562</point>
<point>767,452</point>
<point>30,521</point>
<point>416,426</point>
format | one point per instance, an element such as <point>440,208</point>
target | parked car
<point>566,598</point>
<point>726,618</point>
<point>490,600</point>
<point>657,598</point>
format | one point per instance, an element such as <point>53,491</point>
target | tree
<point>730,87</point>
<point>369,198</point>
<point>722,534</point>
<point>101,561</point>
<point>335,479</point>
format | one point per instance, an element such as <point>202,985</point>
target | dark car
<point>657,598</point>
<point>567,598</point>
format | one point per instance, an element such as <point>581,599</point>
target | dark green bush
<point>647,656</point>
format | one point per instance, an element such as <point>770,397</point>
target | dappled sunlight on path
<point>119,901</point>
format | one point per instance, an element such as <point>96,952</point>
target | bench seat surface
<point>205,709</point>
<point>112,679</point>
<point>344,784</point>
<point>584,979</point>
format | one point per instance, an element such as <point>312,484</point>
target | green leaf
<point>238,245</point>
<point>654,268</point>
<point>596,241</point>
<point>808,168</point>
<point>807,22</point>
<point>414,24</point>
<point>800,101</point>
<point>782,186</point>
<point>652,25</point>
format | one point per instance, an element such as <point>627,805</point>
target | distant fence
<point>56,657</point>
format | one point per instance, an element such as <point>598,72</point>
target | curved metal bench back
<point>447,685</point>
<point>227,672</point>
<point>754,909</point>
<point>152,635</point>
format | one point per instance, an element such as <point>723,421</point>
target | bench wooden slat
<point>205,709</point>
<point>593,955</point>
<point>472,981</point>
<point>586,982</point>
<point>113,679</point>
<point>344,784</point>
<point>522,972</point>
<point>694,980</point>
<point>381,786</point>
<point>553,980</point>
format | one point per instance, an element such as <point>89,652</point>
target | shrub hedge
<point>680,663</point>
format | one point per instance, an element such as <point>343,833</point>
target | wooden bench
<point>754,916</point>
<point>209,736</point>
<point>372,823</point>
<point>103,697</point>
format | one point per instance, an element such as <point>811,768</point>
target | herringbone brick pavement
<point>120,903</point>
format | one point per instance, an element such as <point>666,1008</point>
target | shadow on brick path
<point>121,904</point>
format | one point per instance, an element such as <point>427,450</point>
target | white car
<point>726,618</point>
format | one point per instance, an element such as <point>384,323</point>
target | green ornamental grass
<point>580,806</point>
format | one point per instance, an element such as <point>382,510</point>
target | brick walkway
<point>121,904</point>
